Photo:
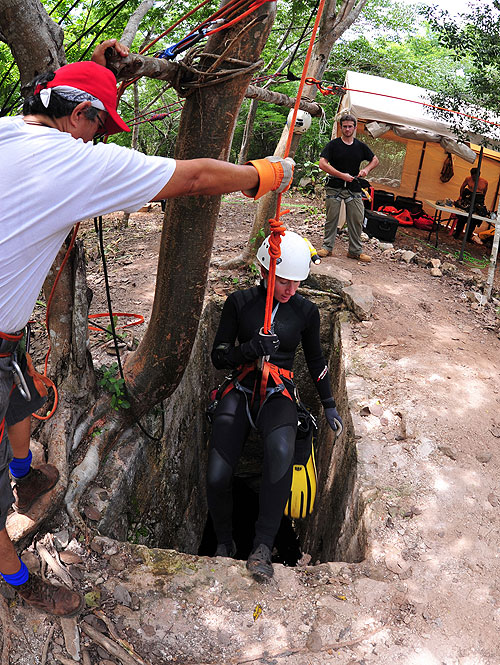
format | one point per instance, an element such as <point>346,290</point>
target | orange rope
<point>277,228</point>
<point>138,319</point>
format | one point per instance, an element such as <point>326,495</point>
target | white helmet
<point>302,121</point>
<point>294,260</point>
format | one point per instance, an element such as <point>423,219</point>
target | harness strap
<point>277,374</point>
<point>267,370</point>
<point>12,337</point>
<point>9,342</point>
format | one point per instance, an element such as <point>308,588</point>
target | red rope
<point>277,227</point>
<point>226,11</point>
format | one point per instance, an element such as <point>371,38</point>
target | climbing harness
<point>8,349</point>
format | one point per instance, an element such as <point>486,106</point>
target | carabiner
<point>19,380</point>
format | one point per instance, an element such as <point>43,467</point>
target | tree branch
<point>139,65</point>
<point>133,23</point>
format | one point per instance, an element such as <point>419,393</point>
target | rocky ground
<point>424,392</point>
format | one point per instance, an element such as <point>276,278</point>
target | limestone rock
<point>435,272</point>
<point>359,299</point>
<point>407,256</point>
<point>328,277</point>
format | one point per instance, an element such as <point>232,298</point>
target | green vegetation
<point>115,386</point>
<point>459,59</point>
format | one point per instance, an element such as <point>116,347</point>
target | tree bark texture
<point>35,40</point>
<point>206,130</point>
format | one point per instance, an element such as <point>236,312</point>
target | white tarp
<point>395,103</point>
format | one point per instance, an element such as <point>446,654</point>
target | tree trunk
<point>206,130</point>
<point>248,132</point>
<point>35,40</point>
<point>133,144</point>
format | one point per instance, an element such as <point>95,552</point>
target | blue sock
<point>17,578</point>
<point>19,467</point>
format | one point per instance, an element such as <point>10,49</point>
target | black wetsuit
<point>276,421</point>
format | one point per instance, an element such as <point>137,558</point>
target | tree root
<point>243,259</point>
<point>112,647</point>
<point>83,427</point>
<point>83,474</point>
<point>290,652</point>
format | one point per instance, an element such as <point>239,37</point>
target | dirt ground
<point>424,389</point>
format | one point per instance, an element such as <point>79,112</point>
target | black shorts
<point>19,408</point>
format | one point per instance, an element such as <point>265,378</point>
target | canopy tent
<point>395,103</point>
<point>399,112</point>
<point>392,110</point>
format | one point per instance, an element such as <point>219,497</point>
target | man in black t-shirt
<point>341,159</point>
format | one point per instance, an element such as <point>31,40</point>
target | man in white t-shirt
<point>52,176</point>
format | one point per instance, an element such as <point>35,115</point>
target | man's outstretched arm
<point>212,176</point>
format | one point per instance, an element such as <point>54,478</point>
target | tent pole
<point>419,170</point>
<point>472,202</point>
<point>495,198</point>
<point>493,257</point>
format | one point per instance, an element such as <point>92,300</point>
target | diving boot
<point>56,600</point>
<point>226,550</point>
<point>31,487</point>
<point>259,563</point>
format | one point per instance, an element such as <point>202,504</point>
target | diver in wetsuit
<point>269,407</point>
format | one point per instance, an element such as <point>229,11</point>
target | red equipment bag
<point>423,221</point>
<point>402,215</point>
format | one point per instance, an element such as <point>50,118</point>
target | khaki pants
<point>355,213</point>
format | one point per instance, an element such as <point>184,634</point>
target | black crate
<point>381,226</point>
<point>382,198</point>
<point>414,206</point>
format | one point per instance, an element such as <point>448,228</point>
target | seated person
<point>466,191</point>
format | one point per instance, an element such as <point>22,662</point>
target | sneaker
<point>259,563</point>
<point>31,487</point>
<point>364,258</point>
<point>324,252</point>
<point>226,550</point>
<point>56,600</point>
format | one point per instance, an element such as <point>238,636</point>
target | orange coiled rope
<point>276,226</point>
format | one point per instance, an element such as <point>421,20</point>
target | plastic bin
<point>381,226</point>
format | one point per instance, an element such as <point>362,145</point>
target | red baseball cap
<point>97,81</point>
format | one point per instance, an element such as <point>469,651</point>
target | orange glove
<point>275,175</point>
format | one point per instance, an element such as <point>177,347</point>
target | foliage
<point>389,39</point>
<point>475,36</point>
<point>115,386</point>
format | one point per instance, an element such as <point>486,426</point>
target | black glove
<point>332,416</point>
<point>260,345</point>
